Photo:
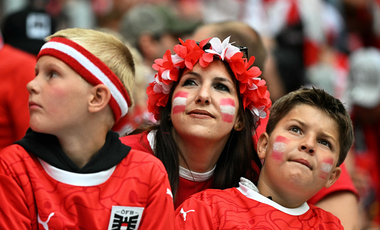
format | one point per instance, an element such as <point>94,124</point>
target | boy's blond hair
<point>110,50</point>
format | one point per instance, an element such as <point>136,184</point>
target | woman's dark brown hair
<point>238,158</point>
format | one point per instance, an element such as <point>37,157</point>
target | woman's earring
<point>239,126</point>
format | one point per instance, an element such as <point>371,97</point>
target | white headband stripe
<point>87,64</point>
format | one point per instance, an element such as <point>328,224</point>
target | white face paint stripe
<point>228,109</point>
<point>279,146</point>
<point>326,167</point>
<point>179,101</point>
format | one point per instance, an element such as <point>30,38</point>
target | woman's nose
<point>204,95</point>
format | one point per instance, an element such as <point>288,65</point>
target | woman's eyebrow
<point>192,73</point>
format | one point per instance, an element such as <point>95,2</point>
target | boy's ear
<point>100,97</point>
<point>262,145</point>
<point>333,177</point>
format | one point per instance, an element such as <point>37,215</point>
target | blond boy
<point>70,171</point>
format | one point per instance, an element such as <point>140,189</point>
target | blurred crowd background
<point>329,44</point>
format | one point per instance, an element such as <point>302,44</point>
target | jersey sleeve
<point>14,212</point>
<point>194,213</point>
<point>159,211</point>
<point>344,183</point>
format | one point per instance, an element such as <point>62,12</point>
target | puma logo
<point>169,192</point>
<point>45,224</point>
<point>185,213</point>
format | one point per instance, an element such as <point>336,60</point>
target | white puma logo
<point>45,224</point>
<point>185,213</point>
<point>169,192</point>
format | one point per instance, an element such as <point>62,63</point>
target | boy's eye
<point>295,129</point>
<point>53,74</point>
<point>222,87</point>
<point>326,143</point>
<point>189,82</point>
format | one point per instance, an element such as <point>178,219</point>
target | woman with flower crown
<point>208,101</point>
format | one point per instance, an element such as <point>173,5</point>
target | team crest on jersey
<point>125,218</point>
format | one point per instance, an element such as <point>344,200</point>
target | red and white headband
<point>91,68</point>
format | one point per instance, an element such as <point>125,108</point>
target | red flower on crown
<point>253,90</point>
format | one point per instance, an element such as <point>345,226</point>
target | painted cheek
<point>279,147</point>
<point>227,107</point>
<point>179,102</point>
<point>326,168</point>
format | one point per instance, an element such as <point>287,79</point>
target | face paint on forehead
<point>279,147</point>
<point>179,102</point>
<point>326,168</point>
<point>227,107</point>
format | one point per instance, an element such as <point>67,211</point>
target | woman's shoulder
<point>138,142</point>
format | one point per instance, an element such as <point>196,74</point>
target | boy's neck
<point>282,197</point>
<point>81,148</point>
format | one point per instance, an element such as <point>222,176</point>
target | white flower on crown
<point>252,87</point>
<point>166,75</point>
<point>222,49</point>
<point>176,59</point>
<point>258,112</point>
<point>161,87</point>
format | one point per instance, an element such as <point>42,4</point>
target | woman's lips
<point>200,113</point>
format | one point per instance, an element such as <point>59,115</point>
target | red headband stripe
<point>91,69</point>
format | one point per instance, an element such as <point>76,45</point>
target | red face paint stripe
<point>179,102</point>
<point>279,147</point>
<point>181,94</point>
<point>282,139</point>
<point>227,117</point>
<point>227,101</point>
<point>178,109</point>
<point>227,107</point>
<point>326,168</point>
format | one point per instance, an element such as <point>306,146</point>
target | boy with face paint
<point>308,136</point>
<point>341,198</point>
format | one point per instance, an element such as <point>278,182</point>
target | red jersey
<point>244,208</point>
<point>189,182</point>
<point>134,194</point>
<point>145,142</point>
